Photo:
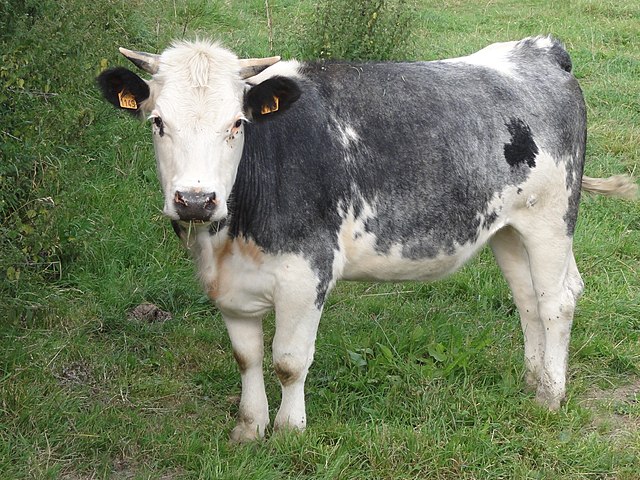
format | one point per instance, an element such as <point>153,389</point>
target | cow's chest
<point>240,278</point>
<point>246,282</point>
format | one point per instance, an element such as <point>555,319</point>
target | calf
<point>283,177</point>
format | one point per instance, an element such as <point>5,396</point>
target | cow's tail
<point>619,186</point>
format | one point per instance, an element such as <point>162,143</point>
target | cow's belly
<point>368,264</point>
<point>363,259</point>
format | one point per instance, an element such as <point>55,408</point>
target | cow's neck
<point>252,202</point>
<point>204,242</point>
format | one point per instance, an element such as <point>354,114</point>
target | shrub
<point>361,29</point>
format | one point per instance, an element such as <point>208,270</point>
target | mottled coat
<point>285,180</point>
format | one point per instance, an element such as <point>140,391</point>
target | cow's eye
<point>234,130</point>
<point>158,126</point>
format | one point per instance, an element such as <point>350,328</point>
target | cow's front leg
<point>247,343</point>
<point>293,349</point>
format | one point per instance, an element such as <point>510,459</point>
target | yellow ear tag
<point>266,109</point>
<point>127,100</point>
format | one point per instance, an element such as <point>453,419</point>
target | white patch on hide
<point>289,68</point>
<point>496,56</point>
<point>358,259</point>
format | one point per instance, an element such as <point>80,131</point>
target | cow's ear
<point>123,89</point>
<point>271,97</point>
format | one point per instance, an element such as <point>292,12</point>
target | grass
<point>410,380</point>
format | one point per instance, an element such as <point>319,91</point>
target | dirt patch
<point>148,312</point>
<point>124,469</point>
<point>615,411</point>
<point>75,373</point>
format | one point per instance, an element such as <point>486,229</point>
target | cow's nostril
<point>210,201</point>
<point>180,200</point>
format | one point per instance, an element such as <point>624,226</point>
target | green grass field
<point>411,381</point>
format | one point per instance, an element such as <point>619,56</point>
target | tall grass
<point>410,380</point>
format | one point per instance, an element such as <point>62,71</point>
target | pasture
<point>410,380</point>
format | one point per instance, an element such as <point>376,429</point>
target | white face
<point>195,111</point>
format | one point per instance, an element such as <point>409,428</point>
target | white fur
<point>536,258</point>
<point>289,68</point>
<point>544,42</point>
<point>532,250</point>
<point>361,261</point>
<point>496,56</point>
<point>197,152</point>
<point>347,136</point>
<point>250,289</point>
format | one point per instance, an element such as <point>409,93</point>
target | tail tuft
<point>619,186</point>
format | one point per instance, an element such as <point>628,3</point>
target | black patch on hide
<point>522,149</point>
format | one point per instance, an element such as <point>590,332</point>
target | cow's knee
<point>289,368</point>
<point>247,359</point>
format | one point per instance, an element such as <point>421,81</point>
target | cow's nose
<point>192,206</point>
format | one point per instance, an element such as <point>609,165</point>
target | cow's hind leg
<point>247,343</point>
<point>557,285</point>
<point>514,262</point>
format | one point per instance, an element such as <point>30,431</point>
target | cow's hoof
<point>288,427</point>
<point>245,433</point>
<point>550,400</point>
<point>290,423</point>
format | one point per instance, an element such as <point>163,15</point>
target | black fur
<point>522,148</point>
<point>263,94</point>
<point>116,80</point>
<point>561,56</point>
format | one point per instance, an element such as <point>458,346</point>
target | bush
<point>361,29</point>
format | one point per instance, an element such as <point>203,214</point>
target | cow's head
<point>197,101</point>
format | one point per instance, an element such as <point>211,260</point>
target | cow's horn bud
<point>253,66</point>
<point>148,62</point>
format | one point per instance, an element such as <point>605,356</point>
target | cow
<point>282,177</point>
